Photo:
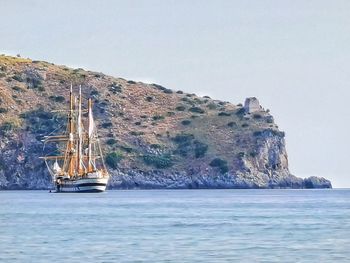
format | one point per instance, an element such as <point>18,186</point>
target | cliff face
<point>152,137</point>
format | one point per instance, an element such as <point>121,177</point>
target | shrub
<point>138,123</point>
<point>18,78</point>
<point>183,138</point>
<point>137,133</point>
<point>168,91</point>
<point>207,97</point>
<point>107,125</point>
<point>196,110</point>
<point>114,88</point>
<point>245,125</point>
<point>186,122</point>
<point>186,99</point>
<point>200,149</point>
<point>57,98</point>
<point>180,108</point>
<point>9,126</point>
<point>155,146</point>
<point>131,82</point>
<point>184,143</point>
<point>111,141</point>
<point>211,106</point>
<point>113,159</point>
<point>257,116</point>
<point>240,112</point>
<point>170,113</point>
<point>179,92</point>
<point>16,88</point>
<point>149,98</point>
<point>94,92</point>
<point>222,113</point>
<point>232,124</point>
<point>3,110</point>
<point>126,149</point>
<point>221,164</point>
<point>35,83</point>
<point>157,117</point>
<point>257,133</point>
<point>197,100</point>
<point>159,87</point>
<point>269,119</point>
<point>253,154</point>
<point>40,88</point>
<point>240,155</point>
<point>158,161</point>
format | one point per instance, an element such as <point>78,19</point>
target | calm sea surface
<point>176,226</point>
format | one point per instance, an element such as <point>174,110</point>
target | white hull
<point>83,185</point>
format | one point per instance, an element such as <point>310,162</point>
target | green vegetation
<point>149,98</point>
<point>126,149</point>
<point>196,110</point>
<point>3,110</point>
<point>186,122</point>
<point>17,88</point>
<point>211,106</point>
<point>232,124</point>
<point>158,117</point>
<point>115,88</point>
<point>200,149</point>
<point>111,141</point>
<point>183,138</point>
<point>180,108</point>
<point>57,98</point>
<point>136,133</point>
<point>240,112</point>
<point>158,161</point>
<point>155,146</point>
<point>18,78</point>
<point>168,91</point>
<point>221,164</point>
<point>107,125</point>
<point>94,92</point>
<point>222,113</point>
<point>113,159</point>
<point>257,116</point>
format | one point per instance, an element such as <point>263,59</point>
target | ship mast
<point>80,135</point>
<point>70,145</point>
<point>90,133</point>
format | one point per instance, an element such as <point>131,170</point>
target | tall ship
<point>79,165</point>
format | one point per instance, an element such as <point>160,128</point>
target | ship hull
<point>84,185</point>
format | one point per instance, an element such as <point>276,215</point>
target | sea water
<point>176,226</point>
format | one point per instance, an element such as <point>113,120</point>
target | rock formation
<point>152,136</point>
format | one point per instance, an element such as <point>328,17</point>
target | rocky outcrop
<point>159,138</point>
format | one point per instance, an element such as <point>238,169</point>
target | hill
<point>152,136</point>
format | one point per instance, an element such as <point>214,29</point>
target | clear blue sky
<point>293,55</point>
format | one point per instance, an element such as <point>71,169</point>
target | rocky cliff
<point>152,136</point>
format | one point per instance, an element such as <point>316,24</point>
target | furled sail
<point>56,168</point>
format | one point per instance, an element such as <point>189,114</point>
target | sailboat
<point>80,166</point>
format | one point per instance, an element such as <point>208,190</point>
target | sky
<point>294,56</point>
